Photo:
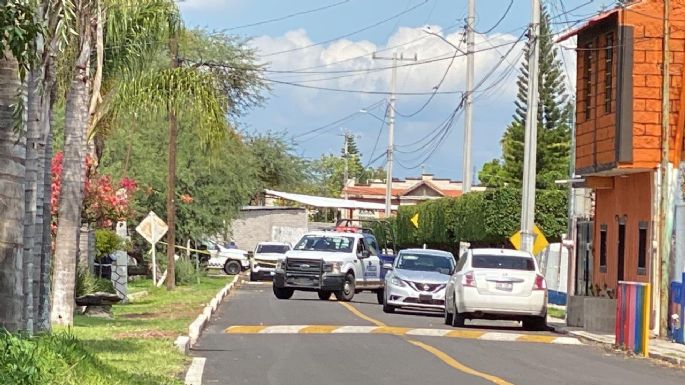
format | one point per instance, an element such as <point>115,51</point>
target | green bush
<point>186,273</point>
<point>107,242</point>
<point>87,283</point>
<point>482,218</point>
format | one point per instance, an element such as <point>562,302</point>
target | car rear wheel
<point>232,267</point>
<point>347,293</point>
<point>535,323</point>
<point>324,295</point>
<point>458,319</point>
<point>448,316</point>
<point>283,292</point>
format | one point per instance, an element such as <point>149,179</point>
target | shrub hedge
<point>481,218</point>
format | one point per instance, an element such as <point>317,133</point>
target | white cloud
<point>299,109</point>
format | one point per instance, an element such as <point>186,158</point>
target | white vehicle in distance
<point>497,284</point>
<point>231,261</point>
<point>417,279</point>
<point>266,256</point>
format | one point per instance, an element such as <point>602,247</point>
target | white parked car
<point>497,284</point>
<point>266,256</point>
<point>330,263</point>
<point>417,279</point>
<point>231,261</point>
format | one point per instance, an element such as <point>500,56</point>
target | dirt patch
<point>147,334</point>
<point>166,314</point>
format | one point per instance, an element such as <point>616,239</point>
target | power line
<point>362,91</point>
<point>378,137</point>
<point>435,89</point>
<point>501,19</point>
<point>338,121</point>
<point>285,17</point>
<point>376,24</point>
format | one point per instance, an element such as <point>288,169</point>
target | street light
<point>364,111</point>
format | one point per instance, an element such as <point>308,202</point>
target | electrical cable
<point>281,18</point>
<point>376,24</point>
<point>378,137</point>
<point>501,19</point>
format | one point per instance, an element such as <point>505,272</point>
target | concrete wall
<point>86,249</point>
<point>261,224</point>
<point>593,314</point>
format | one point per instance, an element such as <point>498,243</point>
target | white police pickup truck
<point>337,263</point>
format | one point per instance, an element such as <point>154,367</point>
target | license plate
<point>425,298</point>
<point>303,281</point>
<point>504,286</point>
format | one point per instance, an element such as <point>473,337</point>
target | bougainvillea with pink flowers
<point>104,202</point>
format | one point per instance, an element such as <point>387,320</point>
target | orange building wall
<point>630,197</point>
<point>646,19</point>
<point>596,136</point>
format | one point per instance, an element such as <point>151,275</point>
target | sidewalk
<point>658,349</point>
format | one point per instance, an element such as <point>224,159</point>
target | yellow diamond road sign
<point>415,220</point>
<point>539,244</point>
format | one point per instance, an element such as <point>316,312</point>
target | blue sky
<point>298,110</point>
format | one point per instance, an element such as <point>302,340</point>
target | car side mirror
<point>387,266</point>
<point>365,254</point>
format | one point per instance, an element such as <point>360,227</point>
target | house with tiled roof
<point>408,191</point>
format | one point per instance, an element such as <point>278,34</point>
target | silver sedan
<point>417,279</point>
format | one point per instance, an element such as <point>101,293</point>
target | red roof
<point>592,21</point>
<point>380,191</point>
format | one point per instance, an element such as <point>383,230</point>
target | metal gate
<point>585,231</point>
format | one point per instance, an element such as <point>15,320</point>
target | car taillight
<point>468,280</point>
<point>540,283</point>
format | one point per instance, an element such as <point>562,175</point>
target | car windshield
<point>508,262</point>
<point>326,243</point>
<point>272,249</point>
<point>425,262</point>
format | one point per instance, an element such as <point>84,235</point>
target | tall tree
<point>554,115</point>
<point>19,29</point>
<point>73,169</point>
<point>213,80</point>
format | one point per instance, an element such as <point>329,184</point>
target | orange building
<point>618,130</point>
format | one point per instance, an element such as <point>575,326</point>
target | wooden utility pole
<point>665,212</point>
<point>171,176</point>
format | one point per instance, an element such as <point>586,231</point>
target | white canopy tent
<point>326,202</point>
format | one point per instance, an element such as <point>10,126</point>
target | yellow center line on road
<point>361,315</point>
<point>444,357</point>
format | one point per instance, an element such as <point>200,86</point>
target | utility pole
<point>468,114</point>
<point>530,137</point>
<point>665,212</point>
<point>171,177</point>
<point>391,127</point>
<point>346,152</point>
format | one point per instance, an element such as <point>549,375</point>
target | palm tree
<point>19,29</point>
<point>89,107</point>
<point>12,156</point>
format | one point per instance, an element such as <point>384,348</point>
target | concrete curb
<point>587,337</point>
<point>186,342</point>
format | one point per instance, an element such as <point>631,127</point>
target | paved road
<point>256,339</point>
